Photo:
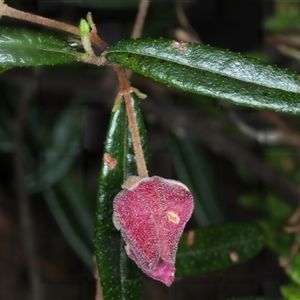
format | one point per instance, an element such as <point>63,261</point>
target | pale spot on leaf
<point>180,46</point>
<point>110,161</point>
<point>234,257</point>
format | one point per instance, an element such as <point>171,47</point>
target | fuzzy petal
<point>151,216</point>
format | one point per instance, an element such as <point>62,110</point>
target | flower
<point>151,214</point>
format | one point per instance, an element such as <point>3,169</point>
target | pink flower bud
<point>151,214</point>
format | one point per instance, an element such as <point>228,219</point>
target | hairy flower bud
<point>151,214</point>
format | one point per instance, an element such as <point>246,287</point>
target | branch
<point>8,11</point>
<point>290,133</point>
<point>125,91</point>
<point>140,19</point>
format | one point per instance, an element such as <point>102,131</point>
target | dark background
<point>234,25</point>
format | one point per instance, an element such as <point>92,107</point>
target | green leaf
<point>294,272</point>
<point>3,69</point>
<point>217,247</point>
<point>62,147</point>
<point>67,202</point>
<point>120,277</point>
<point>194,171</point>
<point>285,19</point>
<point>278,240</point>
<point>24,48</point>
<point>290,291</point>
<point>76,192</point>
<point>210,71</point>
<point>276,207</point>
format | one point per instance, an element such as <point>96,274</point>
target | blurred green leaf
<point>63,146</point>
<point>24,48</point>
<point>284,160</point>
<point>277,208</point>
<point>39,127</point>
<point>294,271</point>
<point>271,203</point>
<point>279,241</point>
<point>76,193</point>
<point>3,69</point>
<point>210,71</point>
<point>285,18</point>
<point>66,194</point>
<point>120,277</point>
<point>217,247</point>
<point>290,291</point>
<point>73,218</point>
<point>193,170</point>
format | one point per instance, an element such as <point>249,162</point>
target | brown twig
<point>27,231</point>
<point>139,24</point>
<point>185,23</point>
<point>140,19</point>
<point>8,11</point>
<point>125,91</point>
<point>125,88</point>
<point>291,135</point>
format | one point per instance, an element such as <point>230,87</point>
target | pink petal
<point>152,215</point>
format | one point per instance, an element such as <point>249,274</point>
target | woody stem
<point>126,90</point>
<point>8,11</point>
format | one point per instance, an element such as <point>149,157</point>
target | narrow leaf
<point>193,170</point>
<point>75,191</point>
<point>294,271</point>
<point>3,69</point>
<point>62,209</point>
<point>120,277</point>
<point>210,71</point>
<point>217,247</point>
<point>290,291</point>
<point>23,48</point>
<point>64,144</point>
